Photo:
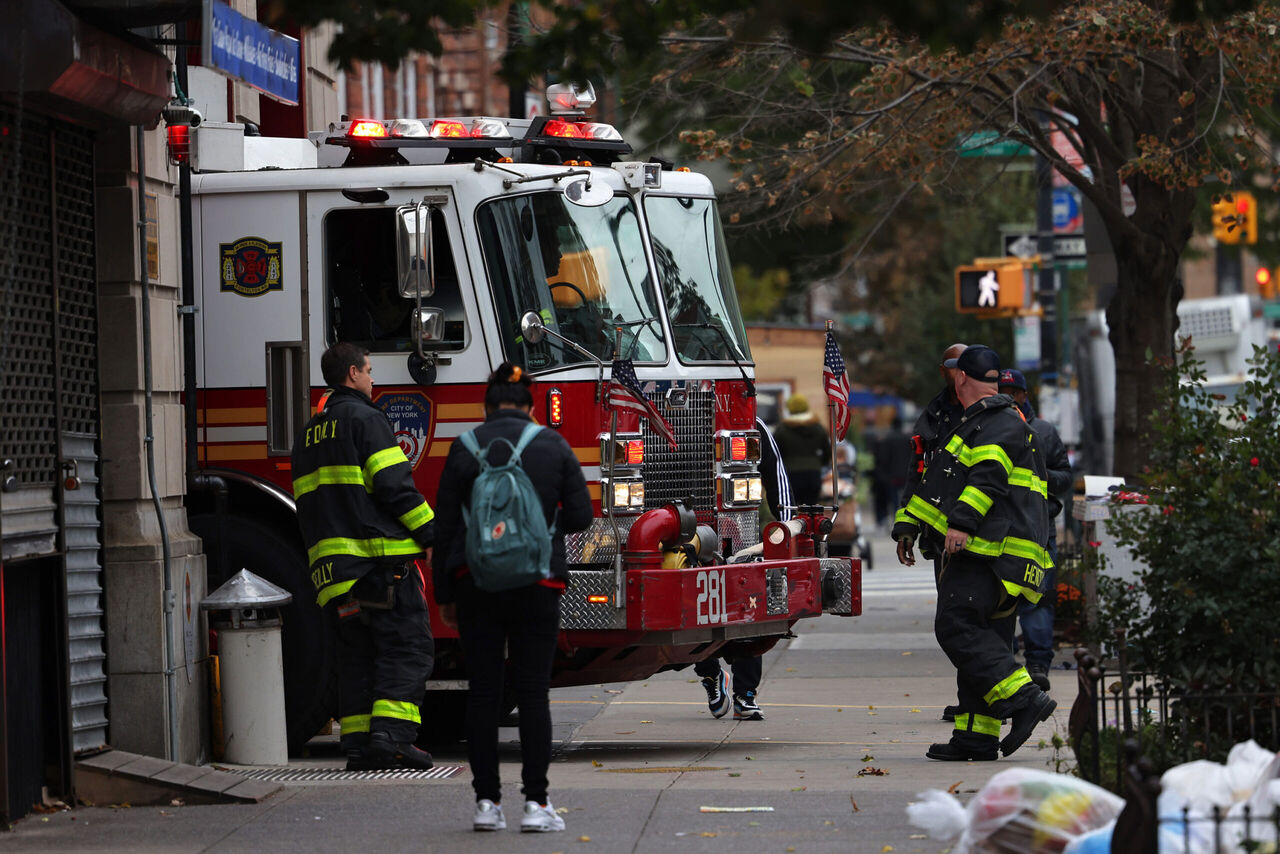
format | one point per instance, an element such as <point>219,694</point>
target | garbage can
<point>246,614</point>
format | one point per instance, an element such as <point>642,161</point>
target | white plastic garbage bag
<point>1023,811</point>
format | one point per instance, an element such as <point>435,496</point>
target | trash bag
<point>1029,811</point>
<point>938,814</point>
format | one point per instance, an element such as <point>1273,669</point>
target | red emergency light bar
<point>367,129</point>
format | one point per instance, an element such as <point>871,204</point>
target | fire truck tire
<point>307,635</point>
<point>444,719</point>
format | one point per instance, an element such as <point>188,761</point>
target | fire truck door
<point>355,292</point>
<point>250,326</point>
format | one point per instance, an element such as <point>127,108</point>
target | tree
<point>1111,93</point>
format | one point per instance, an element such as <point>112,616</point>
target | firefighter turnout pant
<point>974,626</point>
<point>385,654</point>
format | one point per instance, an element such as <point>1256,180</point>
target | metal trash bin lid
<point>245,590</point>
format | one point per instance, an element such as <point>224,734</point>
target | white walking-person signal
<point>987,287</point>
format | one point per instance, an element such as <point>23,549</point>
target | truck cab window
<point>693,270</point>
<point>363,299</point>
<point>582,269</point>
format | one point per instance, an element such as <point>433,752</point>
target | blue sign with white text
<point>242,48</point>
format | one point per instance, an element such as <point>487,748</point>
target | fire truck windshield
<point>693,268</point>
<point>582,269</point>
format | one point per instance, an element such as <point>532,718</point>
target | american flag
<point>836,382</point>
<point>625,393</point>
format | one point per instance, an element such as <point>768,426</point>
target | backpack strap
<point>526,436</point>
<point>468,440</point>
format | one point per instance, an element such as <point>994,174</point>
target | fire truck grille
<point>688,473</point>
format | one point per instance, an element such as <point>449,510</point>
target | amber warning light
<point>555,407</point>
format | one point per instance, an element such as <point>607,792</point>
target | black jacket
<point>1055,457</point>
<point>550,464</point>
<point>933,425</point>
<point>357,503</point>
<point>988,480</point>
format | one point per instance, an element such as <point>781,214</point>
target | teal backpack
<point>508,541</point>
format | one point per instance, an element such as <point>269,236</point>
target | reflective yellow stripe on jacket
<point>384,459</point>
<point>328,476</point>
<point>418,516</point>
<point>1018,476</point>
<point>371,548</point>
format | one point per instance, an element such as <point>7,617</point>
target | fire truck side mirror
<point>427,326</point>
<point>413,252</point>
<point>531,327</point>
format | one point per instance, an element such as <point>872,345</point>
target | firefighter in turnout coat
<point>365,525</point>
<point>983,503</point>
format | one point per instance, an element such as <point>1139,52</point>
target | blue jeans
<point>1037,620</point>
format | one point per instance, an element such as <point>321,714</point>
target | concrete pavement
<point>851,705</point>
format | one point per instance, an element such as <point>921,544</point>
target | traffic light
<point>992,287</point>
<point>1235,217</point>
<point>1266,284</point>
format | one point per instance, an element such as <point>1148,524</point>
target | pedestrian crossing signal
<point>996,289</point>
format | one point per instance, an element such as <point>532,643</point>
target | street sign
<point>247,51</point>
<point>1068,215</point>
<point>1019,245</point>
<point>1068,247</point>
<point>989,143</point>
<point>1026,342</point>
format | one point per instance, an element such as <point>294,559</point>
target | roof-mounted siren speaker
<point>569,99</point>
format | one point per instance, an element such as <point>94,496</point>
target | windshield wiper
<point>730,349</point>
<point>521,178</point>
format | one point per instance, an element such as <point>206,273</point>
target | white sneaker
<point>540,818</point>
<point>488,816</point>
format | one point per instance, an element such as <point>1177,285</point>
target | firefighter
<point>365,526</point>
<point>983,502</point>
<point>934,425</point>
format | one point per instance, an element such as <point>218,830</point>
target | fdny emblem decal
<point>410,417</point>
<point>252,266</point>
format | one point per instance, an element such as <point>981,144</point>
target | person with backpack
<point>509,492</point>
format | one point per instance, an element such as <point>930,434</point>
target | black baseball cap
<point>1012,378</point>
<point>979,362</point>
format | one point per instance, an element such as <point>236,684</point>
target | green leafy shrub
<point>1211,538</point>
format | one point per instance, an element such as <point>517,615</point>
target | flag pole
<point>831,427</point>
<point>606,502</point>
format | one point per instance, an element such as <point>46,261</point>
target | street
<point>851,706</point>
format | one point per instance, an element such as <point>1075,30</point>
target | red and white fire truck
<point>444,247</point>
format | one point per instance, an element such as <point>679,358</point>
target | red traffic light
<point>1262,277</point>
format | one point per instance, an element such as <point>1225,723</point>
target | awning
<point>66,65</point>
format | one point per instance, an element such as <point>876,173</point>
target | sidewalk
<point>851,706</point>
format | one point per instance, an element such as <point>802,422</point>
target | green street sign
<point>989,143</point>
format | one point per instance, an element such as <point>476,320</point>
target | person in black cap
<point>935,423</point>
<point>983,503</point>
<point>1037,619</point>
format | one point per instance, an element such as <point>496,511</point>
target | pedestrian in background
<point>804,448</point>
<point>893,459</point>
<point>523,623</point>
<point>1037,619</point>
<point>365,526</point>
<point>931,430</point>
<point>748,669</point>
<point>983,503</point>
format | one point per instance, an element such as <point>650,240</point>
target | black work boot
<point>956,750</point>
<point>1024,719</point>
<point>383,754</point>
<point>354,747</point>
<point>1039,674</point>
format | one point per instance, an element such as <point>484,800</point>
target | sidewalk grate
<point>333,775</point>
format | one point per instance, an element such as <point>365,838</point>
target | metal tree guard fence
<point>1128,730</point>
